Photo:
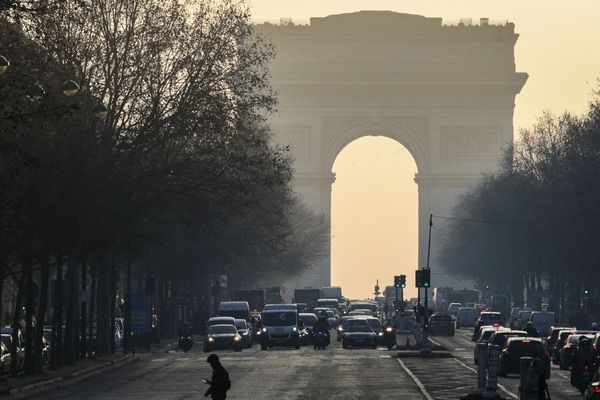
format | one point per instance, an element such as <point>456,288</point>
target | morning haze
<point>374,199</point>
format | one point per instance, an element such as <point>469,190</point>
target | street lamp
<point>4,64</point>
<point>70,88</point>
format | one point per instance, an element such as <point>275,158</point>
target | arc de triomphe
<point>446,93</point>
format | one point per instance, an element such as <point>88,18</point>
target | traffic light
<point>402,281</point>
<point>423,278</point>
<point>586,291</point>
<point>397,281</point>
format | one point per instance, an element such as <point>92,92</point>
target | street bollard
<point>481,368</point>
<point>525,362</point>
<point>531,373</point>
<point>492,383</point>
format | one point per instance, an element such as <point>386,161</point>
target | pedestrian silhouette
<point>220,382</point>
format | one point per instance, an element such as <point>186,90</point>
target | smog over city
<point>268,199</point>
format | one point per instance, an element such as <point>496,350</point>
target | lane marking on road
<point>460,349</point>
<point>417,381</point>
<point>502,387</point>
<point>385,356</point>
<point>434,342</point>
<point>563,376</point>
<point>159,359</point>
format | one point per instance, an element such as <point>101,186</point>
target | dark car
<point>491,318</point>
<point>307,320</point>
<point>517,347</point>
<point>348,321</point>
<point>359,336</point>
<point>501,336</point>
<point>222,337</point>
<point>375,324</point>
<point>559,344</point>
<point>441,324</point>
<point>553,336</point>
<point>245,332</point>
<point>566,353</point>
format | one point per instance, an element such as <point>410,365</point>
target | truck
<point>254,297</point>
<point>308,296</point>
<point>331,292</point>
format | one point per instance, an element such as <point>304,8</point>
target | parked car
<point>441,324</point>
<point>517,347</point>
<point>466,316</point>
<point>359,336</point>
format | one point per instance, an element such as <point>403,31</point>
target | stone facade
<point>446,93</point>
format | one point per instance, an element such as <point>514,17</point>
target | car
<point>365,305</point>
<point>301,307</point>
<point>349,320</point>
<point>514,315</point>
<point>234,309</point>
<point>517,347</point>
<point>222,336</point>
<point>441,324</point>
<point>552,337</point>
<point>492,318</point>
<point>484,336</point>
<point>453,308</point>
<point>5,358</point>
<point>522,318</point>
<point>542,321</point>
<point>375,324</point>
<point>6,333</point>
<point>481,307</point>
<point>566,353</point>
<point>561,339</point>
<point>362,313</point>
<point>280,328</point>
<point>245,332</point>
<point>500,337</point>
<point>359,336</point>
<point>466,316</point>
<point>220,321</point>
<point>307,320</point>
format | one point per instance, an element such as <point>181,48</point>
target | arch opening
<point>374,215</point>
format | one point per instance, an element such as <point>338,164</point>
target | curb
<point>60,382</point>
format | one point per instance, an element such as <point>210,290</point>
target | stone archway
<point>444,92</point>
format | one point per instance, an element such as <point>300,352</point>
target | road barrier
<point>492,384</point>
<point>529,385</point>
<point>481,368</point>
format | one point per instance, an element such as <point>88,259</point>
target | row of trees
<point>534,223</point>
<point>155,157</point>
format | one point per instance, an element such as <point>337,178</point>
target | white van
<point>235,309</point>
<point>280,328</point>
<point>542,321</point>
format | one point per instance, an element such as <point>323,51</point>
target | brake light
<point>496,324</point>
<point>597,389</point>
<point>526,341</point>
<point>568,346</point>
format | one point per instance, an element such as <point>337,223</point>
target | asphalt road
<point>308,374</point>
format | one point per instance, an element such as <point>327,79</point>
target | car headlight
<point>264,330</point>
<point>211,339</point>
<point>237,338</point>
<point>294,329</point>
<point>380,334</point>
<point>244,333</point>
<point>340,329</point>
<point>258,332</point>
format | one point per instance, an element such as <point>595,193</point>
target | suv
<point>280,327</point>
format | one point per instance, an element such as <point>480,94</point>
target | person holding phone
<point>220,382</point>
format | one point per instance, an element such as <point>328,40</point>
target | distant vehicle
<point>308,296</point>
<point>307,320</point>
<point>566,353</point>
<point>466,316</point>
<point>273,295</point>
<point>343,308</point>
<point>500,304</point>
<point>6,333</point>
<point>328,303</point>
<point>290,307</point>
<point>375,324</point>
<point>500,337</point>
<point>220,321</point>
<point>389,294</point>
<point>514,316</point>
<point>332,292</point>
<point>301,307</point>
<point>553,336</point>
<point>254,297</point>
<point>463,296</point>
<point>480,307</point>
<point>542,321</point>
<point>331,317</point>
<point>245,332</point>
<point>363,305</point>
<point>561,340</point>
<point>280,328</point>
<point>359,336</point>
<point>222,337</point>
<point>522,318</point>
<point>360,313</point>
<point>517,347</point>
<point>487,318</point>
<point>453,308</point>
<point>441,324</point>
<point>346,321</point>
<point>235,309</point>
<point>484,337</point>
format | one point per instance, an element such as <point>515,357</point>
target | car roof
<point>220,318</point>
<point>220,326</point>
<point>520,339</point>
<point>307,314</point>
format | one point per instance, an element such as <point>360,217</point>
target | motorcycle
<point>583,378</point>
<point>185,343</point>
<point>320,340</point>
<point>592,392</point>
<point>389,338</point>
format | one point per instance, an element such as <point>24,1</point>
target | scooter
<point>320,340</point>
<point>389,338</point>
<point>185,343</point>
<point>583,378</point>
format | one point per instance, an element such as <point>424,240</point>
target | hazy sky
<point>559,46</point>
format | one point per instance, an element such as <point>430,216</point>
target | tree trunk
<point>127,331</point>
<point>16,325</point>
<point>57,333</point>
<point>83,319</point>
<point>72,325</point>
<point>103,326</point>
<point>27,263</point>
<point>113,306</point>
<point>92,336</point>
<point>41,316</point>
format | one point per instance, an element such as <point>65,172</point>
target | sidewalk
<point>31,385</point>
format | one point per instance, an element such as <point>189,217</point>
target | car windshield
<point>241,324</point>
<point>359,328</point>
<point>308,319</point>
<point>221,321</point>
<point>330,314</point>
<point>374,323</point>
<point>357,321</point>
<point>279,319</point>
<point>526,346</point>
<point>442,318</point>
<point>220,329</point>
<point>489,317</point>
